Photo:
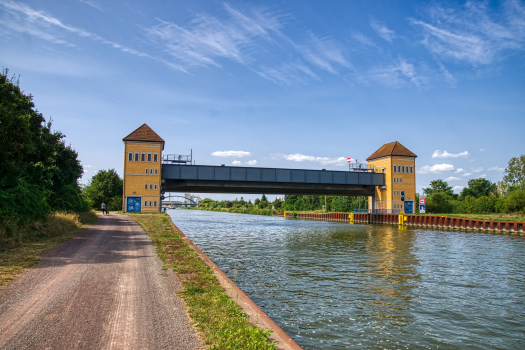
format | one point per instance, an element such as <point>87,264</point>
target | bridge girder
<point>205,186</point>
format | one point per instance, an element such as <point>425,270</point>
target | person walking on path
<point>103,206</point>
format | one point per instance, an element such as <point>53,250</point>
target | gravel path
<point>103,289</point>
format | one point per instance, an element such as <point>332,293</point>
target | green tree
<point>33,159</point>
<point>257,201</point>
<point>105,186</point>
<point>439,186</point>
<point>479,188</point>
<point>515,201</point>
<point>515,173</point>
<point>439,202</point>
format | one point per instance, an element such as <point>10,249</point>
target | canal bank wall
<point>255,314</point>
<point>432,221</point>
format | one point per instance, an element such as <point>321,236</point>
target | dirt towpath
<point>103,289</point>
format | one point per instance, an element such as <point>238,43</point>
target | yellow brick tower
<point>399,166</point>
<point>142,170</point>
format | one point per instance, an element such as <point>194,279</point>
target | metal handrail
<point>176,158</point>
<point>377,211</point>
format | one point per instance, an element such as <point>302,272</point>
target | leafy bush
<point>515,201</point>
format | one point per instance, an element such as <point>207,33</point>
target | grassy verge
<point>221,321</point>
<point>29,241</point>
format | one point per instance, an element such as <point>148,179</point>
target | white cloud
<point>452,178</point>
<point>473,33</point>
<point>397,74</point>
<point>436,169</point>
<point>341,161</point>
<point>483,176</point>
<point>445,154</point>
<point>459,170</point>
<point>477,170</point>
<point>93,4</point>
<point>382,30</point>
<point>235,154</point>
<point>482,150</point>
<point>324,53</point>
<point>24,19</point>
<point>495,168</point>
<point>458,188</point>
<point>249,162</point>
<point>288,73</point>
<point>467,174</point>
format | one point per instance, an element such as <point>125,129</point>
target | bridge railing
<point>176,159</point>
<point>377,211</point>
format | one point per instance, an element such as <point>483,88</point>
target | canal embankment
<point>430,221</point>
<point>219,309</point>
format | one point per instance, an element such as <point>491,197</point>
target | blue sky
<point>292,84</point>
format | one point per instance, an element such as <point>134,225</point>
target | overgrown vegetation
<point>21,250</point>
<point>40,196</point>
<point>38,172</point>
<point>482,196</point>
<point>222,322</point>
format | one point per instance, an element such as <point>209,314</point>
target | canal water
<point>342,286</point>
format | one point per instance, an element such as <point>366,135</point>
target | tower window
<point>145,203</point>
<point>130,157</point>
<point>142,157</point>
<point>150,203</point>
<point>156,173</point>
<point>146,171</point>
<point>136,157</point>
<point>149,157</point>
<point>410,170</point>
<point>395,168</point>
<point>155,186</point>
<point>400,179</point>
<point>151,171</point>
<point>155,157</point>
<point>150,186</point>
<point>146,186</point>
<point>155,203</point>
<point>403,168</point>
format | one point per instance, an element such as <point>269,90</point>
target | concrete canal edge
<point>256,316</point>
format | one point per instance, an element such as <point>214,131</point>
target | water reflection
<point>391,275</point>
<point>341,286</point>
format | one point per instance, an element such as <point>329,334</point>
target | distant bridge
<point>170,202</point>
<point>230,179</point>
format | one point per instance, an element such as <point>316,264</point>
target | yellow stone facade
<point>400,175</point>
<point>142,171</point>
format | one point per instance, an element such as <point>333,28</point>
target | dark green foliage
<point>38,172</point>
<point>439,186</point>
<point>479,188</point>
<point>106,186</point>
<point>515,201</point>
<point>439,202</point>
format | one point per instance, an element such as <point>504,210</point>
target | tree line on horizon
<point>481,196</point>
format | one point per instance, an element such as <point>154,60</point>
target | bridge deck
<point>228,179</point>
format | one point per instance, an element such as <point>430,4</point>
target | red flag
<point>348,160</point>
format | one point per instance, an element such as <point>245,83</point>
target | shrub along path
<point>103,289</point>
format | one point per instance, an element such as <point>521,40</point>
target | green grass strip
<point>221,321</point>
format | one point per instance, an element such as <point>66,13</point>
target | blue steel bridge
<point>190,178</point>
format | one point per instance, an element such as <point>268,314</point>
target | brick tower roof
<point>391,149</point>
<point>143,133</point>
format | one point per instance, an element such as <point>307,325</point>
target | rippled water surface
<point>341,286</point>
